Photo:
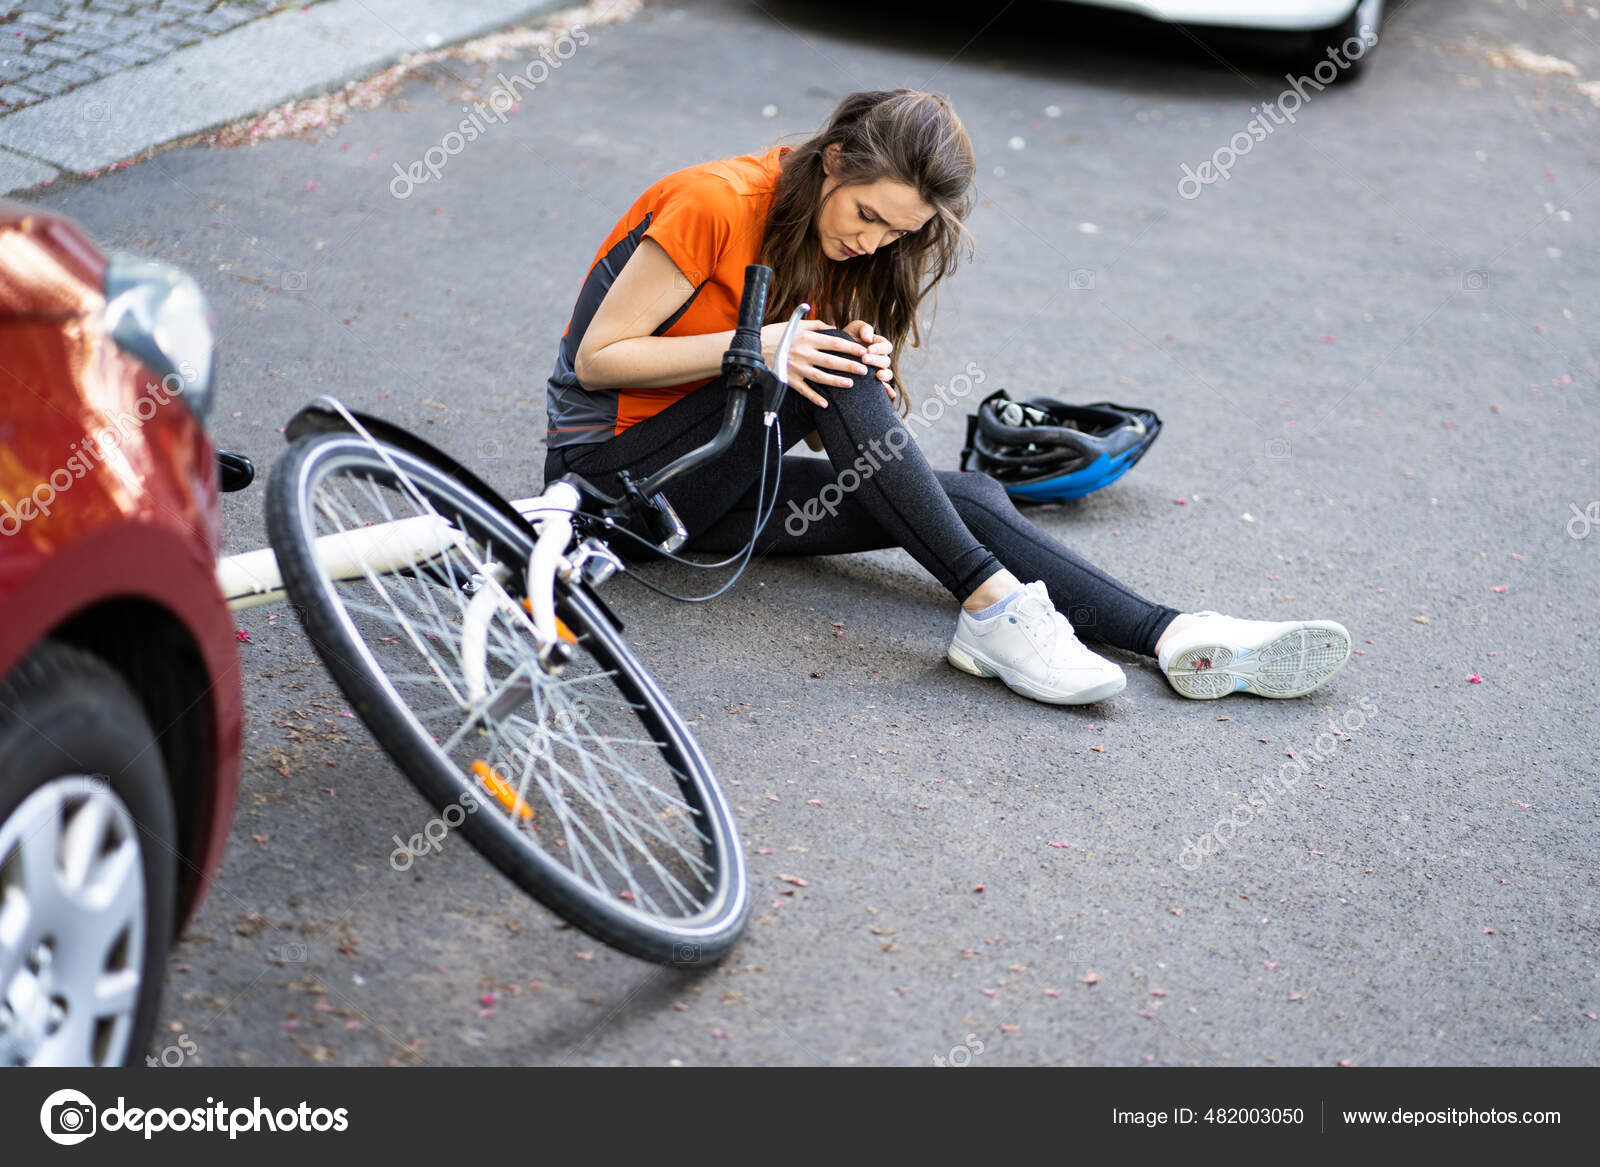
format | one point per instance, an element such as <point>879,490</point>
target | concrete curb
<point>282,57</point>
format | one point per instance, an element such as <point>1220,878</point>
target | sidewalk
<point>87,83</point>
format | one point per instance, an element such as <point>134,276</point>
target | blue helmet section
<point>1049,451</point>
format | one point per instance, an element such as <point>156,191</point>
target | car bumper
<point>1285,15</point>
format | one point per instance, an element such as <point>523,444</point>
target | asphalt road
<point>1374,349</point>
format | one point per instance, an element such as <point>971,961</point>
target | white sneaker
<point>1032,648</point>
<point>1217,655</point>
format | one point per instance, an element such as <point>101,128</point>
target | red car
<point>120,702</point>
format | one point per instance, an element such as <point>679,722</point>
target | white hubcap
<point>72,926</point>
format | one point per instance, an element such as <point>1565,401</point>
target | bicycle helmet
<point>1045,450</point>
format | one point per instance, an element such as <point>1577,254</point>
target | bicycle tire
<point>630,920</point>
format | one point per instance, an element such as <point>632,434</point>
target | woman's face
<point>859,219</point>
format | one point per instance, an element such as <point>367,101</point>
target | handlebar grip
<point>743,357</point>
<point>753,304</point>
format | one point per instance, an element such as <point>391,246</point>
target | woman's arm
<point>617,347</point>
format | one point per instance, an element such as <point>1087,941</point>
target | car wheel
<point>1367,14</point>
<point>88,865</point>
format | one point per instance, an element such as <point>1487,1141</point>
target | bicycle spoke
<point>583,779</point>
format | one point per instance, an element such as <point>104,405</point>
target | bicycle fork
<point>554,640</point>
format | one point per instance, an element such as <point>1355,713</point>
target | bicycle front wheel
<point>582,785</point>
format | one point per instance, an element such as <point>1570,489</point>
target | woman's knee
<point>858,380</point>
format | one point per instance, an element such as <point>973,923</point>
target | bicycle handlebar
<point>742,366</point>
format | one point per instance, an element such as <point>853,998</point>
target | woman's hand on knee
<point>818,355</point>
<point>878,350</point>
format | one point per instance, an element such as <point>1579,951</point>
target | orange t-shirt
<point>710,220</point>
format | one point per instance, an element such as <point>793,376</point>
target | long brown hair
<point>898,134</point>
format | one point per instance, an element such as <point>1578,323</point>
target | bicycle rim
<point>583,785</point>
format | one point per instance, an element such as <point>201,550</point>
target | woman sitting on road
<point>862,221</point>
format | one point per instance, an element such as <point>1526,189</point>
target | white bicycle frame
<point>251,579</point>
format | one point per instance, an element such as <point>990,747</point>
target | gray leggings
<point>961,527</point>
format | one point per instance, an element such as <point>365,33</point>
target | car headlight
<point>159,316</point>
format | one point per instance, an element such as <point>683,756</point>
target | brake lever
<point>780,366</point>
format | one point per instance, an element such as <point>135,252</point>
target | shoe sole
<point>1290,665</point>
<point>967,663</point>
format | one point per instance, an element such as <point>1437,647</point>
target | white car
<point>1315,25</point>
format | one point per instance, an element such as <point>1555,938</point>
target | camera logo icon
<point>1278,449</point>
<point>684,953</point>
<point>294,281</point>
<point>1476,280</point>
<point>1081,279</point>
<point>68,1117</point>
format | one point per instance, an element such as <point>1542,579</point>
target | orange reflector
<point>501,789</point>
<point>561,628</point>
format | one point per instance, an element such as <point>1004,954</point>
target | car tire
<point>77,752</point>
